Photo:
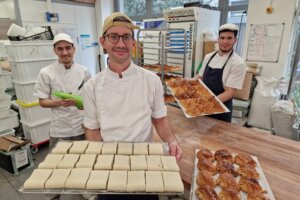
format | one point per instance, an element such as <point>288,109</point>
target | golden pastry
<point>248,172</point>
<point>227,181</point>
<point>223,154</point>
<point>250,185</point>
<point>229,194</point>
<point>225,166</point>
<point>205,153</point>
<point>206,193</point>
<point>206,164</point>
<point>204,178</point>
<point>243,159</point>
<point>257,196</point>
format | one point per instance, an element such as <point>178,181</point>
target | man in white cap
<point>65,76</point>
<point>122,102</point>
<point>224,70</point>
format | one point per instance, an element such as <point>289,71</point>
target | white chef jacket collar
<point>62,66</point>
<point>126,73</point>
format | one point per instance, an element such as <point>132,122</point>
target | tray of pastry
<point>166,68</point>
<point>106,167</point>
<point>195,98</point>
<point>223,175</point>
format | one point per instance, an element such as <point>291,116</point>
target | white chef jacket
<point>234,71</point>
<point>123,107</point>
<point>65,121</point>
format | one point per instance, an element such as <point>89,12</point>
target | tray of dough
<point>87,167</point>
<point>223,175</point>
<point>195,98</point>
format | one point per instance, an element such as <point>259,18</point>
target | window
<point>134,8</point>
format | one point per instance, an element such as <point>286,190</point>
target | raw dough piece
<point>154,181</point>
<point>125,148</point>
<point>121,162</point>
<point>51,161</point>
<point>154,163</point>
<point>62,147</point>
<point>78,178</point>
<point>140,148</point>
<point>109,148</point>
<point>156,149</point>
<point>79,146</point>
<point>136,181</point>
<point>94,148</point>
<point>57,179</point>
<point>117,181</point>
<point>138,162</point>
<point>37,179</point>
<point>169,163</point>
<point>86,161</point>
<point>172,182</point>
<point>68,161</point>
<point>104,162</point>
<point>98,180</point>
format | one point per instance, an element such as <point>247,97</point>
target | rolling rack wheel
<point>35,147</point>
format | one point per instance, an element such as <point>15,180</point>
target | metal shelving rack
<point>162,47</point>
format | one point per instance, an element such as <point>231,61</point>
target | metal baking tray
<point>190,116</point>
<point>262,181</point>
<point>70,191</point>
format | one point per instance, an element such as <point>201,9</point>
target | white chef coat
<point>123,107</point>
<point>234,71</point>
<point>66,121</point>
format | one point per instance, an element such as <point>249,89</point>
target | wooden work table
<point>278,157</point>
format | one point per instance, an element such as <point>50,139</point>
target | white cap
<point>231,27</point>
<point>62,37</point>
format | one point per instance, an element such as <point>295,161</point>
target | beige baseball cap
<point>62,37</point>
<point>231,27</point>
<point>118,19</point>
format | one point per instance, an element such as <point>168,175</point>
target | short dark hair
<point>228,30</point>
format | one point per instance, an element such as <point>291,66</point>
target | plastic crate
<point>5,101</point>
<point>30,51</point>
<point>36,132</point>
<point>9,122</point>
<point>4,112</point>
<point>16,160</point>
<point>7,132</point>
<point>33,113</point>
<point>24,92</point>
<point>6,80</point>
<point>28,71</point>
<point>46,35</point>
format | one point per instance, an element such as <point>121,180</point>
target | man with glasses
<point>123,101</point>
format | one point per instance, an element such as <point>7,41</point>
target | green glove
<point>78,99</point>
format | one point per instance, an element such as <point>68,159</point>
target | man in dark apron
<point>224,71</point>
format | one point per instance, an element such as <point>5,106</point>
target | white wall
<point>74,19</point>
<point>103,9</point>
<point>7,9</point>
<point>283,12</point>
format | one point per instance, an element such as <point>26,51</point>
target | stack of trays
<point>95,167</point>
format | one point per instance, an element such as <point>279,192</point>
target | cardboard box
<point>209,46</point>
<point>10,142</point>
<point>244,93</point>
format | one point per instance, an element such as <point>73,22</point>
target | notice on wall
<point>264,42</point>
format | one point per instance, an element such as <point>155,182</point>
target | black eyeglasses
<point>114,38</point>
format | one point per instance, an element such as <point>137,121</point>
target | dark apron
<point>213,79</point>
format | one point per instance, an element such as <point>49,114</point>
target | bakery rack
<point>163,51</point>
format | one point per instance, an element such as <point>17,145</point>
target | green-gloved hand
<point>78,99</point>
